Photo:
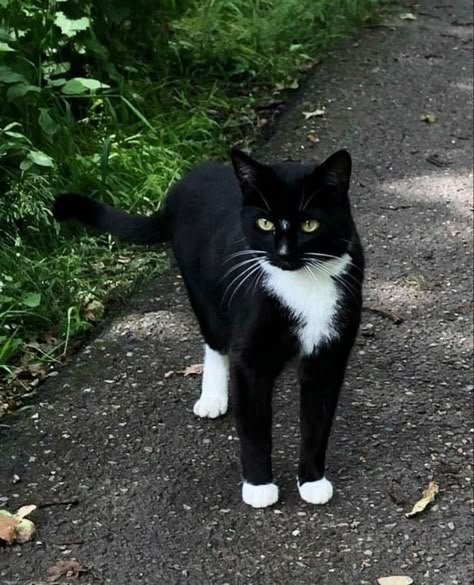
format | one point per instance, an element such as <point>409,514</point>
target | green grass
<point>184,94</point>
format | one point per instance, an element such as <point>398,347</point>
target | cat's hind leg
<point>214,398</point>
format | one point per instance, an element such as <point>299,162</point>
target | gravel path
<point>158,499</point>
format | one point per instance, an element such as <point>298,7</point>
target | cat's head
<point>291,211</point>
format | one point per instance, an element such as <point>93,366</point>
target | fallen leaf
<point>93,311</point>
<point>429,494</point>
<point>8,524</point>
<point>25,511</point>
<point>395,580</point>
<point>419,281</point>
<point>407,16</point>
<point>312,137</point>
<point>392,315</point>
<point>69,568</point>
<point>15,527</point>
<point>169,373</point>
<point>193,370</point>
<point>428,118</point>
<point>438,160</point>
<point>303,67</point>
<point>314,114</point>
<point>24,531</point>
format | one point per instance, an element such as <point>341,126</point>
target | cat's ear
<point>246,169</point>
<point>335,171</point>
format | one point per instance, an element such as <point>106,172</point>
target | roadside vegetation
<point>118,98</point>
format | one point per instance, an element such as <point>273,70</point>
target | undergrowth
<point>118,98</point>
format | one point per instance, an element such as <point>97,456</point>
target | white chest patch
<point>311,297</point>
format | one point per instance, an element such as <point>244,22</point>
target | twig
<point>70,543</point>
<point>395,207</point>
<point>72,502</point>
<point>394,317</point>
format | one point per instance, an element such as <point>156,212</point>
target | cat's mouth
<point>285,264</point>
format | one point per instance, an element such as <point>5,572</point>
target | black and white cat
<point>273,267</point>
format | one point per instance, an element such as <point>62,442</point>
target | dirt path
<point>157,489</point>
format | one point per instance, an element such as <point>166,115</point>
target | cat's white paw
<point>316,492</point>
<point>211,405</point>
<point>260,496</point>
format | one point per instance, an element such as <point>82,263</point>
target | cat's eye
<point>265,225</point>
<point>309,225</point>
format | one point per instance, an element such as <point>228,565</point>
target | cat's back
<point>209,191</point>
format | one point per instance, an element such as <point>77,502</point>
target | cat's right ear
<point>246,170</point>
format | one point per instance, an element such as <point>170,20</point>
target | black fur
<point>105,218</point>
<point>209,216</point>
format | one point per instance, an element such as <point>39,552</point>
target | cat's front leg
<point>252,385</point>
<point>321,378</point>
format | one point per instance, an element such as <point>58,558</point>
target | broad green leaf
<point>40,158</point>
<point>92,84</point>
<point>57,82</point>
<point>73,87</point>
<point>26,164</point>
<point>31,300</point>
<point>7,75</point>
<point>20,90</point>
<point>80,85</point>
<point>5,48</point>
<point>70,27</point>
<point>47,124</point>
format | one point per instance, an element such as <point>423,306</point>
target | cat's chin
<point>286,265</point>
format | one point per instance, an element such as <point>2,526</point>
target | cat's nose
<point>283,251</point>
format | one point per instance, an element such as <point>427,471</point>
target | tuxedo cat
<point>273,267</point>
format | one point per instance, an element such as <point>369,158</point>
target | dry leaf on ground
<point>407,16</point>
<point>69,568</point>
<point>192,370</point>
<point>93,311</point>
<point>8,524</point>
<point>428,118</point>
<point>395,580</point>
<point>429,494</point>
<point>314,114</point>
<point>25,511</point>
<point>312,137</point>
<point>16,527</point>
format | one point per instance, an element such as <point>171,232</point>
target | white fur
<point>312,300</point>
<point>214,398</point>
<point>259,496</point>
<point>316,492</point>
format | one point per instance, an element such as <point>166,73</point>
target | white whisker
<point>338,278</point>
<point>236,266</point>
<point>243,253</point>
<point>320,255</point>
<point>253,270</point>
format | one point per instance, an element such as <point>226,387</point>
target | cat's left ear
<point>335,171</point>
<point>247,170</point>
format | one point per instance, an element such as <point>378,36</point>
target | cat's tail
<point>138,229</point>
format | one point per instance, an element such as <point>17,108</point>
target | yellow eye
<point>265,224</point>
<point>309,225</point>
